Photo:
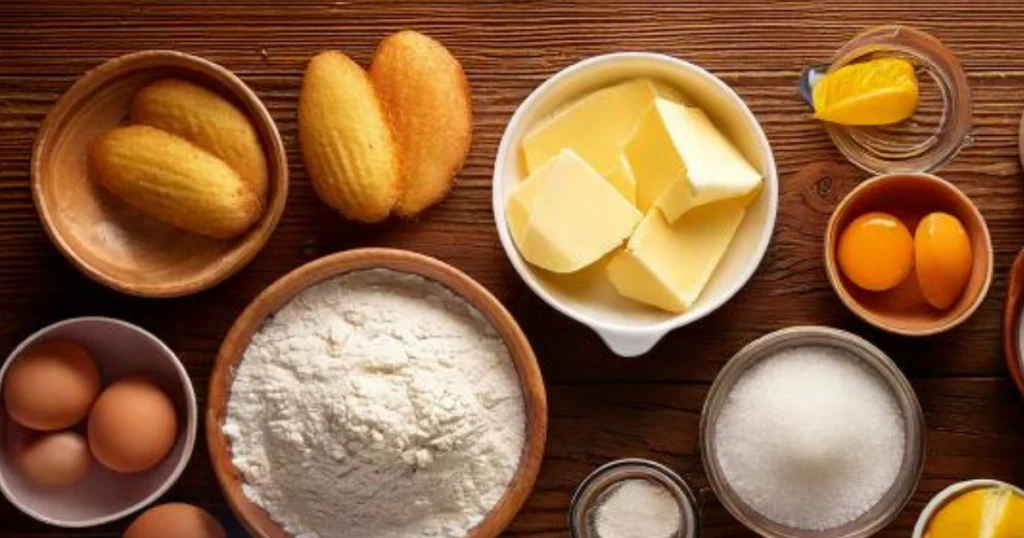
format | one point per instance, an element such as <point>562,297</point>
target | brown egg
<point>56,459</point>
<point>132,426</point>
<point>51,385</point>
<point>175,520</point>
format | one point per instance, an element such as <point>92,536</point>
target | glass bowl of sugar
<point>633,498</point>
<point>812,432</point>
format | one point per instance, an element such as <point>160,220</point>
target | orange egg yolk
<point>943,254</point>
<point>876,251</point>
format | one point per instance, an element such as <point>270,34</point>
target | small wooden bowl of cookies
<point>100,204</point>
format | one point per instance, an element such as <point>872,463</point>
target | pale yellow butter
<point>621,177</point>
<point>565,216</point>
<point>668,265</point>
<point>596,127</point>
<point>680,161</point>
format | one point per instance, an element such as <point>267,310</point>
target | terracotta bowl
<point>254,518</point>
<point>120,349</point>
<point>910,197</point>
<point>1012,327</point>
<point>111,242</point>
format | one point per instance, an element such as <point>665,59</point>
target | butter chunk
<point>668,265</point>
<point>680,161</point>
<point>565,216</point>
<point>596,126</point>
<point>621,177</point>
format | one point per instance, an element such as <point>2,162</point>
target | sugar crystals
<point>810,438</point>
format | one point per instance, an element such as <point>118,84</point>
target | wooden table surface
<point>602,408</point>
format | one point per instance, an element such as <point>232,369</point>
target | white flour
<point>376,404</point>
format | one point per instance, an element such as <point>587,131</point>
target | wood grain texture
<point>601,407</point>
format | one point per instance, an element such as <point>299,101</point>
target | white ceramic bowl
<point>627,327</point>
<point>948,494</point>
<point>119,349</point>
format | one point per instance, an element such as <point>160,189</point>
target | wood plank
<point>601,407</point>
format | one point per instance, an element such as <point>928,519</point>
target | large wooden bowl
<point>254,518</point>
<point>105,238</point>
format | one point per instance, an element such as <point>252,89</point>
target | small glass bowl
<point>939,128</point>
<point>591,491</point>
<point>894,500</point>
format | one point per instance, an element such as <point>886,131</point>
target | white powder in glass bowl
<point>810,437</point>
<point>376,404</point>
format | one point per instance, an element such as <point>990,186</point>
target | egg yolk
<point>943,258</point>
<point>876,251</point>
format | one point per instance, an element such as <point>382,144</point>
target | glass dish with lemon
<point>893,99</point>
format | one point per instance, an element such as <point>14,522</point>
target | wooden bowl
<point>254,518</point>
<point>1012,322</point>
<point>111,242</point>
<point>910,197</point>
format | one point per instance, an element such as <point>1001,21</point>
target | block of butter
<point>596,127</point>
<point>668,265</point>
<point>680,160</point>
<point>565,216</point>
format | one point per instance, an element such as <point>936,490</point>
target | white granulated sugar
<point>810,437</point>
<point>376,404</point>
<point>637,508</point>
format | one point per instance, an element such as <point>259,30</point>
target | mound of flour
<point>376,404</point>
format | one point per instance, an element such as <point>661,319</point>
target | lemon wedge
<point>1011,525</point>
<point>962,518</point>
<point>983,513</point>
<point>876,92</point>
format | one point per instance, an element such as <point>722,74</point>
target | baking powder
<point>376,404</point>
<point>638,508</point>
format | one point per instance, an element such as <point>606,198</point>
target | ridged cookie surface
<point>347,142</point>
<point>209,121</point>
<point>174,181</point>
<point>427,98</point>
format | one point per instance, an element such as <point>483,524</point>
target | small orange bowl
<point>910,197</point>
<point>105,238</point>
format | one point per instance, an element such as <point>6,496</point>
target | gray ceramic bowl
<point>899,493</point>
<point>119,349</point>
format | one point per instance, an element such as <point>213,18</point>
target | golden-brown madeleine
<point>346,140</point>
<point>174,181</point>
<point>427,98</point>
<point>209,121</point>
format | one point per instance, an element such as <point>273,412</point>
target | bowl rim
<point>948,493</point>
<point>190,430</point>
<point>654,331</point>
<point>832,267</point>
<point>254,518</point>
<point>887,369</point>
<point>681,490</point>
<point>248,245</point>
<point>1013,309</point>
